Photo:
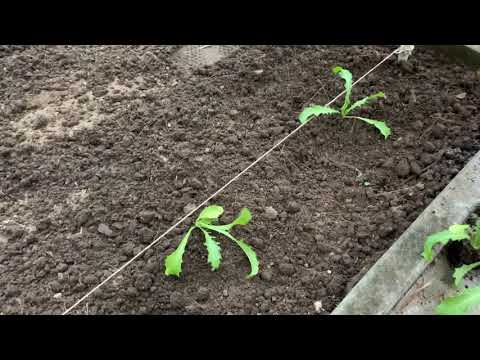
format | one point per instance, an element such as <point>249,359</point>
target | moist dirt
<point>102,148</point>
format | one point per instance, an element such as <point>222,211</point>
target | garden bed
<point>103,148</point>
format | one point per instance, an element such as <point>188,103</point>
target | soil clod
<point>271,213</point>
<point>403,168</point>
<point>105,230</point>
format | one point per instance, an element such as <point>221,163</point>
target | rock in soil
<point>188,208</point>
<point>270,213</point>
<point>105,230</point>
<point>147,217</point>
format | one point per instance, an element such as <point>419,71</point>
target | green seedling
<point>461,303</point>
<point>317,110</point>
<point>207,222</point>
<point>454,233</point>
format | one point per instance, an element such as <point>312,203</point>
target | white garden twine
<point>400,50</point>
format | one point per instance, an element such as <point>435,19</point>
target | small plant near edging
<point>468,297</point>
<point>317,110</point>
<point>207,222</point>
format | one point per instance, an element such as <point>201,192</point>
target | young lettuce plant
<point>207,222</point>
<point>461,303</point>
<point>317,110</point>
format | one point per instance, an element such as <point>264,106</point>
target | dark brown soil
<point>102,148</point>
<point>461,252</point>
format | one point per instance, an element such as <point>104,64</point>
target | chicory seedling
<point>461,303</point>
<point>317,110</point>
<point>207,222</point>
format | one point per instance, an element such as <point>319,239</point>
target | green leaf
<point>347,76</point>
<point>380,125</point>
<point>460,304</point>
<point>365,100</point>
<point>210,213</point>
<point>251,255</point>
<point>475,240</point>
<point>214,255</point>
<point>173,262</point>
<point>316,110</point>
<point>454,233</point>
<point>460,273</point>
<point>242,219</point>
<point>249,252</point>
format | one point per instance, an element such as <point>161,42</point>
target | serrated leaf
<point>249,252</point>
<point>316,110</point>
<point>380,125</point>
<point>210,213</point>
<point>173,262</point>
<point>475,241</point>
<point>347,77</point>
<point>460,273</point>
<point>454,233</point>
<point>460,304</point>
<point>251,255</point>
<point>364,101</point>
<point>214,251</point>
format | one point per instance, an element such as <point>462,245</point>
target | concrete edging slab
<point>467,54</point>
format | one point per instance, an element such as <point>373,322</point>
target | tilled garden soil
<point>105,147</point>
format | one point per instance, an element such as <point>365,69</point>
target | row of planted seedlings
<point>208,221</point>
